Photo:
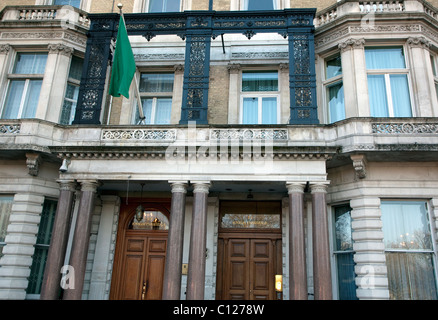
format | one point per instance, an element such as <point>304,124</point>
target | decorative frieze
<point>139,134</point>
<point>249,134</point>
<point>10,128</point>
<point>405,128</point>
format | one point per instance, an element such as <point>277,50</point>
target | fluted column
<point>196,272</point>
<point>81,240</point>
<point>322,282</point>
<point>297,251</point>
<point>58,243</point>
<point>172,271</point>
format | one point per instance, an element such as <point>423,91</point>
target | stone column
<point>322,282</point>
<point>78,257</point>
<point>297,250</point>
<point>58,243</point>
<point>172,271</point>
<point>196,272</point>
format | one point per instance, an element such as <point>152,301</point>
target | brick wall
<point>218,95</point>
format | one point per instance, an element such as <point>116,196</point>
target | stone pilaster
<point>20,240</point>
<point>371,271</point>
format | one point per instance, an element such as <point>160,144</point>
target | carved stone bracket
<point>33,161</point>
<point>418,42</point>
<point>359,165</point>
<point>351,44</point>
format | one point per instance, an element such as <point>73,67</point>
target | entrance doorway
<point>249,250</point>
<point>140,252</point>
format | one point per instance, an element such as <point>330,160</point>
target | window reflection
<point>149,220</point>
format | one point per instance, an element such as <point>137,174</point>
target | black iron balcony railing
<point>197,28</point>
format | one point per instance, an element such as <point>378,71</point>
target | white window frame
<point>327,83</point>
<point>154,96</point>
<point>388,72</point>
<point>260,95</point>
<point>20,77</point>
<point>278,5</point>
<point>434,63</point>
<point>145,5</point>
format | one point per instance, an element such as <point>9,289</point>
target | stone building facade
<point>315,160</point>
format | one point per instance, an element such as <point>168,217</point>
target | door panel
<point>142,271</point>
<point>248,268</point>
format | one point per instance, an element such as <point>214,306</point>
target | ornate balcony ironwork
<point>197,28</point>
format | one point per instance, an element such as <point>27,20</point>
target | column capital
<point>295,187</point>
<point>89,185</point>
<point>201,186</point>
<point>67,185</point>
<point>179,186</point>
<point>318,187</point>
<point>351,44</point>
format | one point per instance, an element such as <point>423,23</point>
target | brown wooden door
<point>248,268</point>
<point>142,271</point>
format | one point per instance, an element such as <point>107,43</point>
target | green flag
<point>123,69</point>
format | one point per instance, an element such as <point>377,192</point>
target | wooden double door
<point>247,265</point>
<point>141,271</point>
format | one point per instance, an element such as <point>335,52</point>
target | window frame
<point>430,218</point>
<point>336,251</point>
<point>277,4</point>
<point>327,83</point>
<point>6,198</point>
<point>72,82</point>
<point>26,77</point>
<point>259,95</point>
<point>146,6</point>
<point>434,66</point>
<point>387,73</point>
<point>155,96</point>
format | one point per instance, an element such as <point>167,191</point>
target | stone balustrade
<point>66,15</point>
<point>348,7</point>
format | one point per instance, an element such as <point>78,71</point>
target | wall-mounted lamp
<point>278,283</point>
<point>64,166</point>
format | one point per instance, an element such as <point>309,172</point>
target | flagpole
<point>137,91</point>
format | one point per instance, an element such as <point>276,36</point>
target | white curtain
<point>400,95</point>
<point>30,63</point>
<point>377,96</point>
<point>336,102</point>
<point>163,111</point>
<point>269,110</point>
<point>409,251</point>
<point>250,111</point>
<point>385,58</point>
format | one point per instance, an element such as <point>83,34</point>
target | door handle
<point>144,289</point>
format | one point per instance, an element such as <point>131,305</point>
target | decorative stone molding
<point>352,44</point>
<point>89,185</point>
<point>249,134</point>
<point>67,185</point>
<point>359,165</point>
<point>139,134</point>
<point>5,48</point>
<point>234,68</point>
<point>60,48</point>
<point>10,128</point>
<point>418,42</point>
<point>178,68</point>
<point>260,55</point>
<point>33,161</point>
<point>405,128</point>
<point>162,56</point>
